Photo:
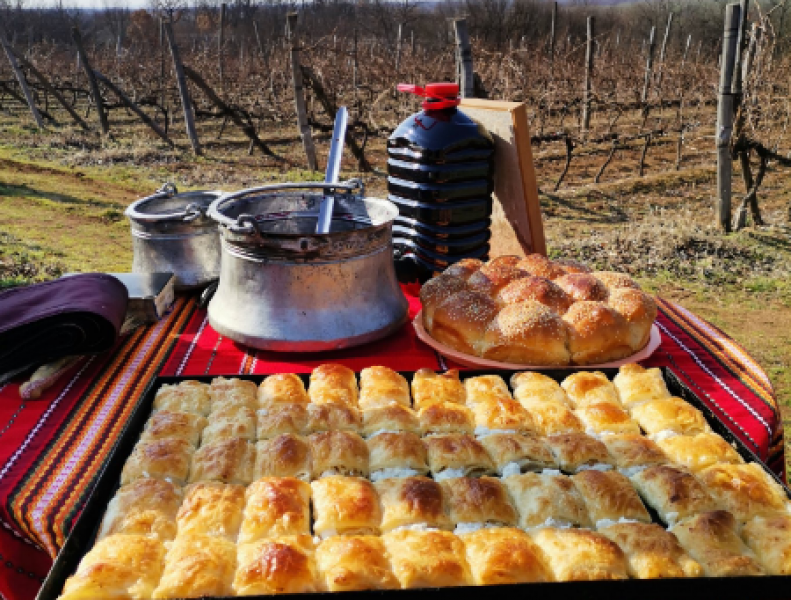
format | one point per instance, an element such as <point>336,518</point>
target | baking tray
<point>82,536</point>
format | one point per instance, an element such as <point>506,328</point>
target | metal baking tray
<point>82,536</point>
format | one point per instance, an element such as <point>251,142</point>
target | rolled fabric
<point>80,314</point>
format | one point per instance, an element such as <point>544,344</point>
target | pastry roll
<point>504,555</point>
<point>435,293</point>
<point>669,414</point>
<point>333,417</point>
<point>282,388</point>
<point>285,418</point>
<point>745,490</point>
<point>546,499</point>
<point>674,493</point>
<point>531,386</point>
<point>580,555</point>
<point>427,559</point>
<point>590,387</point>
<point>711,539</point>
<point>118,566</point>
<point>229,423</point>
<point>603,417</point>
<point>446,417</point>
<point>285,565</point>
<point>396,455</point>
<point>185,397</point>
<point>464,268</point>
<point>770,539</point>
<point>276,506</point>
<point>696,452</point>
<point>457,455</point>
<point>287,455</point>
<point>198,565</point>
<point>552,418</point>
<point>609,496</point>
<point>651,552</point>
<point>211,508</point>
<point>227,393</point>
<point>355,562</point>
<point>333,384</point>
<point>429,387</point>
<point>226,461</point>
<point>379,386</point>
<point>144,507</point>
<point>338,453</point>
<point>164,424</point>
<point>501,416</point>
<point>597,333</point>
<point>636,384</point>
<point>632,453</point>
<point>485,387</point>
<point>345,506</point>
<point>167,459</point>
<point>482,500</point>
<point>393,418</point>
<point>576,451</point>
<point>412,501</point>
<point>514,453</point>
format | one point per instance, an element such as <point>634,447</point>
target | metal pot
<point>285,288</point>
<point>171,233</point>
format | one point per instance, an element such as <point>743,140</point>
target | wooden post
<point>736,87</point>
<point>463,58</point>
<point>662,52</point>
<point>86,66</point>
<point>398,49</point>
<point>649,64</point>
<point>220,43</point>
<point>586,92</point>
<point>724,130</point>
<point>186,102</point>
<point>553,32</point>
<point>20,76</point>
<point>299,95</point>
<point>686,51</point>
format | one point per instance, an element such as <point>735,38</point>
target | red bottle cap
<point>438,95</point>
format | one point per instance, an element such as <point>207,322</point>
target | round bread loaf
<point>537,311</point>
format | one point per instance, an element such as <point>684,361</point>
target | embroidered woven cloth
<point>52,449</point>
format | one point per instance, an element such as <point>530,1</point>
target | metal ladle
<point>333,169</point>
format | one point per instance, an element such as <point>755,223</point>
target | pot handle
<point>169,189</point>
<point>245,224</point>
<point>194,211</point>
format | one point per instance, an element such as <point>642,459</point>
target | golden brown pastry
<point>285,565</point>
<point>674,493</point>
<point>509,260</point>
<point>632,452</point>
<point>333,417</point>
<point>426,559</point>
<point>435,291</point>
<point>118,566</point>
<point>514,453</point>
<point>167,459</point>
<point>536,289</point>
<point>355,562</point>
<point>144,507</point>
<point>605,418</point>
<point>540,266</point>
<point>285,418</point>
<point>164,424</point>
<point>460,321</point>
<point>544,499</point>
<point>463,268</point>
<point>570,265</point>
<point>227,393</point>
<point>530,386</point>
<point>609,496</point>
<point>345,506</point>
<point>651,552</point>
<point>226,461</point>
<point>770,539</point>
<point>696,452</point>
<point>711,539</point>
<point>276,506</point>
<point>574,451</point>
<point>504,555</point>
<point>552,418</point>
<point>669,415</point>
<point>396,455</point>
<point>493,277</point>
<point>596,333</point>
<point>446,417</point>
<point>486,387</point>
<point>590,387</point>
<point>333,384</point>
<point>501,415</point>
<point>457,455</point>
<point>483,500</point>
<point>211,508</point>
<point>412,501</point>
<point>393,417</point>
<point>639,310</point>
<point>379,386</point>
<point>338,453</point>
<point>229,423</point>
<point>429,388</point>
<point>527,333</point>
<point>185,397</point>
<point>198,565</point>
<point>580,555</point>
<point>614,280</point>
<point>287,455</point>
<point>583,286</point>
<point>636,384</point>
<point>746,490</point>
<point>282,388</point>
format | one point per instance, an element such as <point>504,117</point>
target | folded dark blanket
<point>81,314</point>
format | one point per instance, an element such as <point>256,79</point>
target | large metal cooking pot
<point>285,288</point>
<point>171,233</point>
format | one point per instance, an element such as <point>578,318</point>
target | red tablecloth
<point>51,449</point>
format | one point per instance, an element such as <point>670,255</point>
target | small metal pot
<point>171,233</point>
<point>285,288</point>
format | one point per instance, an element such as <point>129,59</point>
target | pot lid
<point>166,204</point>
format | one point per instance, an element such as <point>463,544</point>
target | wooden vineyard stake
<point>463,58</point>
<point>553,32</point>
<point>299,95</point>
<point>22,81</point>
<point>586,92</point>
<point>186,102</point>
<point>95,92</point>
<point>649,65</point>
<point>220,43</point>
<point>662,54</point>
<point>724,129</point>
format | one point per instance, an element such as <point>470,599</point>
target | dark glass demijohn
<point>440,175</point>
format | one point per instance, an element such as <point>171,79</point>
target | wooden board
<point>517,227</point>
